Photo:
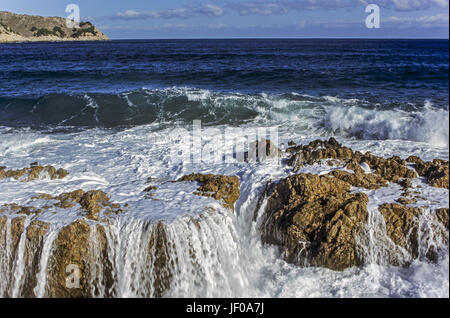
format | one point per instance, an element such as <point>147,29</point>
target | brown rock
<point>71,248</point>
<point>28,210</point>
<point>316,151</point>
<point>222,188</point>
<point>402,225</point>
<point>83,247</point>
<point>405,183</point>
<point>150,188</point>
<point>442,217</point>
<point>159,257</point>
<point>270,150</point>
<point>360,179</point>
<point>405,200</point>
<point>391,169</point>
<point>33,172</point>
<point>93,202</point>
<point>33,249</point>
<point>436,172</point>
<point>315,219</point>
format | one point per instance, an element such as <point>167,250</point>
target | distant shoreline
<point>17,28</point>
<point>31,40</point>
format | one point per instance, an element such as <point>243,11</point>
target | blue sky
<point>139,19</point>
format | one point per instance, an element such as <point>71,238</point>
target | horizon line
<point>279,38</point>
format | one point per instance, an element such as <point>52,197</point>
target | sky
<point>154,19</point>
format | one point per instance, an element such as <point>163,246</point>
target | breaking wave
<point>326,115</point>
<point>428,124</point>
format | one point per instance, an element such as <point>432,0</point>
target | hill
<point>29,28</point>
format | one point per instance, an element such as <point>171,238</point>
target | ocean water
<point>115,113</point>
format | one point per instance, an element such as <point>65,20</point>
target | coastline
<point>27,40</point>
<point>105,169</point>
<point>325,202</point>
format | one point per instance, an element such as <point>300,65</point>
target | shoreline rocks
<point>92,202</point>
<point>261,150</point>
<point>316,219</point>
<point>435,172</point>
<point>33,172</point>
<point>218,187</point>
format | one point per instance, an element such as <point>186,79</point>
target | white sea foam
<point>429,125</point>
<point>231,260</point>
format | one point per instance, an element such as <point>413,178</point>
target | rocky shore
<point>325,220</point>
<point>321,220</point>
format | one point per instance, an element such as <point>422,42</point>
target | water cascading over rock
<point>98,250</point>
<point>327,220</point>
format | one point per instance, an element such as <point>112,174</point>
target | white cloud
<point>270,7</point>
<point>206,10</point>
<point>129,14</point>
<point>426,21</point>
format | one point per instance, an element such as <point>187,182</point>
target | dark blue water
<point>41,80</point>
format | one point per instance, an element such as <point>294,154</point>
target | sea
<point>117,113</point>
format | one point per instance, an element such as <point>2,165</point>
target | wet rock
<point>442,217</point>
<point>93,202</point>
<point>33,172</point>
<point>9,234</point>
<point>150,189</point>
<point>382,170</point>
<point>70,257</point>
<point>28,210</point>
<point>402,225</point>
<point>159,257</point>
<point>222,188</point>
<point>34,245</point>
<point>79,264</point>
<point>392,169</point>
<point>406,200</point>
<point>436,172</point>
<point>314,219</point>
<point>316,151</point>
<point>360,179</point>
<point>405,183</point>
<point>261,150</point>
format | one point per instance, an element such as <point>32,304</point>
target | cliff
<point>27,28</point>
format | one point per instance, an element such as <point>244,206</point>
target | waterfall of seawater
<point>215,254</point>
<point>426,235</point>
<point>19,264</point>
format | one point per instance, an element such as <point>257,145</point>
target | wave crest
<point>428,124</point>
<point>326,115</point>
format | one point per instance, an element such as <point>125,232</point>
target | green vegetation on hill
<point>59,31</point>
<point>83,32</point>
<point>7,28</point>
